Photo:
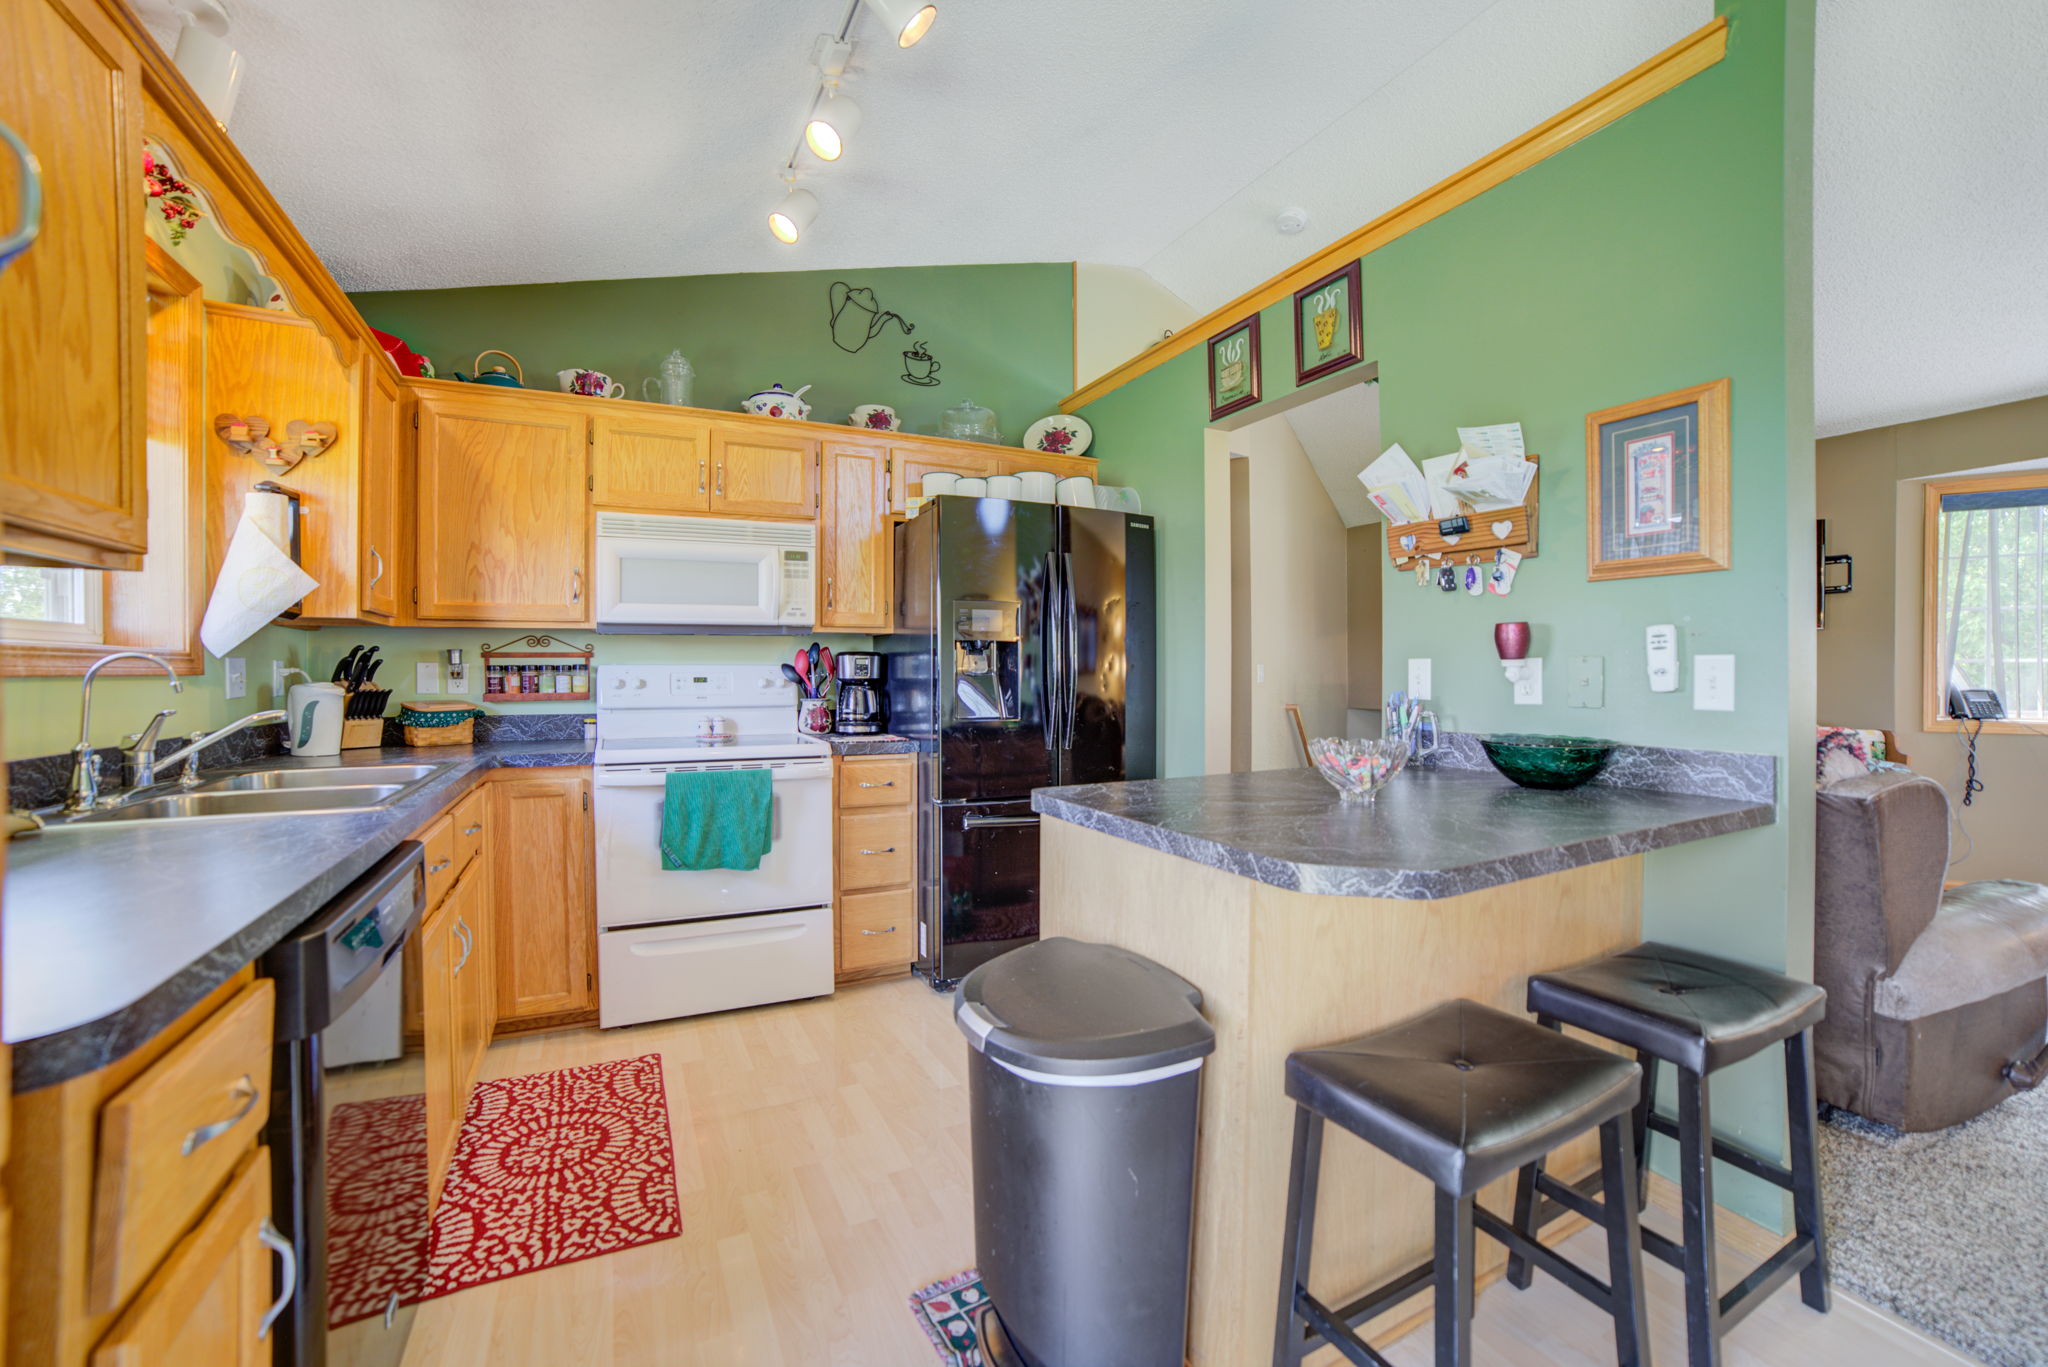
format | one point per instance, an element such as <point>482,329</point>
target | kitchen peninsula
<point>1305,919</point>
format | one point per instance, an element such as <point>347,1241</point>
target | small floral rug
<point>947,1312</point>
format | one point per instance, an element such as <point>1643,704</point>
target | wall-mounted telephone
<point>1974,704</point>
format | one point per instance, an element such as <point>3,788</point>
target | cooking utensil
<point>817,679</point>
<point>789,673</point>
<point>803,672</point>
<point>825,661</point>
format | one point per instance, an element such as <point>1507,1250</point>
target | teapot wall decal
<point>855,317</point>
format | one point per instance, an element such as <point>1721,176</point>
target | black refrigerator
<point>1023,659</point>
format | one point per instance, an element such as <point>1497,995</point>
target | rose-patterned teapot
<point>777,402</point>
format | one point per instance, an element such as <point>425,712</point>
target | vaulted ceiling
<point>471,142</point>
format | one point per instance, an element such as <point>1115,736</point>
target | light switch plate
<point>237,678</point>
<point>426,677</point>
<point>1587,686</point>
<point>1713,683</point>
<point>1529,683</point>
<point>1418,680</point>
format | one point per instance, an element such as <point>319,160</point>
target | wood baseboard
<point>536,1025</point>
<point>872,975</point>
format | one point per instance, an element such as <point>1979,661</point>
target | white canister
<point>972,486</point>
<point>313,719</point>
<point>1038,485</point>
<point>1005,486</point>
<point>1077,491</point>
<point>939,482</point>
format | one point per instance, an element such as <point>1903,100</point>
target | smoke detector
<point>1290,221</point>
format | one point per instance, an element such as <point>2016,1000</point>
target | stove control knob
<point>639,683</point>
<point>618,683</point>
<point>764,683</point>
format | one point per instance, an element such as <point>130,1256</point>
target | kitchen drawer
<point>877,930</point>
<point>877,849</point>
<point>877,781</point>
<point>443,859</point>
<point>470,819</point>
<point>171,1137</point>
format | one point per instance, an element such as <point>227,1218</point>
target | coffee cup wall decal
<point>920,367</point>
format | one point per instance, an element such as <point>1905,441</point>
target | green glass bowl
<point>1547,761</point>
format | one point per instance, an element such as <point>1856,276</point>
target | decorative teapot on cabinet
<point>777,402</point>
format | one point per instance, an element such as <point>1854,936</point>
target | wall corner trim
<point>1670,68</point>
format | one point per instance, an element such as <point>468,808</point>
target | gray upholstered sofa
<point>1937,1001</point>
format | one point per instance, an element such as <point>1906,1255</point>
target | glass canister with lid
<point>969,421</point>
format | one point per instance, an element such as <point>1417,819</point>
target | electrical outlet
<point>1587,686</point>
<point>1529,682</point>
<point>237,678</point>
<point>1713,683</point>
<point>458,678</point>
<point>1418,680</point>
<point>277,684</point>
<point>426,677</point>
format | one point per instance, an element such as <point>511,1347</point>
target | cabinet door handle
<point>700,476</point>
<point>441,867</point>
<point>575,587</point>
<point>720,490</point>
<point>24,233</point>
<point>266,1233</point>
<point>887,930</point>
<point>887,850</point>
<point>468,944</point>
<point>472,830</point>
<point>205,1134</point>
<point>885,783</point>
<point>377,557</point>
<point>828,591</point>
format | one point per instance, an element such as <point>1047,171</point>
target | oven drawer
<point>877,850</point>
<point>661,972</point>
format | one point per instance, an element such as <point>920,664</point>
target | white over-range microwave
<point>660,571</point>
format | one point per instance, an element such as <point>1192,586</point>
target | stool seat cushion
<point>1695,1010</point>
<point>1463,1093</point>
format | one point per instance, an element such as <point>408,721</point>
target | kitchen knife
<point>342,669</point>
<point>363,667</point>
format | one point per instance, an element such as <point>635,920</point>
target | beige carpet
<point>1947,1230</point>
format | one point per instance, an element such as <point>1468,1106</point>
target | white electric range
<point>683,942</point>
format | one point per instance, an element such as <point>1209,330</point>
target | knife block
<point>362,733</point>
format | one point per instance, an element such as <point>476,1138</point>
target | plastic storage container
<point>1084,1082</point>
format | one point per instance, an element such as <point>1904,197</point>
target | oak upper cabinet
<point>913,462</point>
<point>543,921</point>
<point>72,311</point>
<point>757,471</point>
<point>382,480</point>
<point>651,463</point>
<point>502,511</point>
<point>854,539</point>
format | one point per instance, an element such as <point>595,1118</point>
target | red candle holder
<point>1511,639</point>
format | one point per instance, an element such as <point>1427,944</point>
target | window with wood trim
<point>1987,593</point>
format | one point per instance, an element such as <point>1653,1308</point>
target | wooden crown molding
<point>1672,67</point>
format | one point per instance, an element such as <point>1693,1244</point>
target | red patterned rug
<point>550,1168</point>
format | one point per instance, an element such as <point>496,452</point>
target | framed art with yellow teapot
<point>1328,328</point>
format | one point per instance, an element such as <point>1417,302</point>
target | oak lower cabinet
<point>455,992</point>
<point>72,311</point>
<point>503,510</point>
<point>875,877</point>
<point>207,1303</point>
<point>855,550</point>
<point>544,914</point>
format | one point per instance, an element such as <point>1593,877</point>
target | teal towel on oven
<point>715,819</point>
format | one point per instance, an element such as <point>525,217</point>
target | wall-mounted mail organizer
<point>1511,528</point>
<point>527,671</point>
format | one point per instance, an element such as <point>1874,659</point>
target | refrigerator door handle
<point>1070,652</point>
<point>1049,626</point>
<point>971,822</point>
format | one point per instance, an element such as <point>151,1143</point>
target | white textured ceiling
<point>1340,432</point>
<point>1930,281</point>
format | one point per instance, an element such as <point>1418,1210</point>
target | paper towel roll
<point>258,578</point>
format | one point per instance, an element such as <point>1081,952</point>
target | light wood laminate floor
<point>822,1155</point>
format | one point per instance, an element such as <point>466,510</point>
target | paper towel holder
<point>294,514</point>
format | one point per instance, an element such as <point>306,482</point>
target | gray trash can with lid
<point>1084,1081</point>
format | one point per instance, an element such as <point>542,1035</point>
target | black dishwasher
<point>348,1124</point>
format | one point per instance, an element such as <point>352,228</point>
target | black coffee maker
<point>860,694</point>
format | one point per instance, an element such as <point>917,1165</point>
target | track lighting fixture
<point>831,124</point>
<point>906,20</point>
<point>789,219</point>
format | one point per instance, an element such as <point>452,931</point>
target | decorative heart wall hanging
<point>1501,529</point>
<point>251,436</point>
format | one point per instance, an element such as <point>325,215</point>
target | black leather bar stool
<point>1699,1014</point>
<point>1463,1094</point>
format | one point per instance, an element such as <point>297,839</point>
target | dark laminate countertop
<point>111,934</point>
<point>869,745</point>
<point>1432,832</point>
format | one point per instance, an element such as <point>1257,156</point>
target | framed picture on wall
<point>1657,485</point>
<point>1328,333</point>
<point>1234,368</point>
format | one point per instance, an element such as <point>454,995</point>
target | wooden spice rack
<point>1429,542</point>
<point>536,648</point>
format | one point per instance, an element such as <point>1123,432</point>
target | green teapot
<point>496,374</point>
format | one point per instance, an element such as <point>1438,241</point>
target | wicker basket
<point>438,723</point>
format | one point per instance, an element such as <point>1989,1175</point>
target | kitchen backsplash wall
<point>1001,335</point>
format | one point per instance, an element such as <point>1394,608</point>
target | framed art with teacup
<point>1234,368</point>
<point>1657,485</point>
<point>1329,332</point>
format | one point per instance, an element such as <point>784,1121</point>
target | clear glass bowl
<point>1358,769</point>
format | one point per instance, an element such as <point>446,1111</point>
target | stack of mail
<point>1397,487</point>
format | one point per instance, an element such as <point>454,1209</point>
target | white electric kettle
<point>313,718</point>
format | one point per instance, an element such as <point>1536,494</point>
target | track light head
<point>906,20</point>
<point>831,124</point>
<point>789,219</point>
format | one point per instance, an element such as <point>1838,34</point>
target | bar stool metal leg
<point>1520,1274</point>
<point>1696,1183</point>
<point>1642,1127</point>
<point>1454,1279</point>
<point>1288,1341</point>
<point>1806,1218</point>
<point>1624,1246</point>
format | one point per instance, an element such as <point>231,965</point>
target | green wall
<point>1003,335</point>
<point>1668,249</point>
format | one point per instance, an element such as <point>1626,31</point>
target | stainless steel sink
<point>361,775</point>
<point>194,806</point>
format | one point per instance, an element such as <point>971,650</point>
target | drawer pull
<point>889,850</point>
<point>247,1090</point>
<point>885,783</point>
<point>441,867</point>
<point>267,1234</point>
<point>889,930</point>
<point>472,830</point>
